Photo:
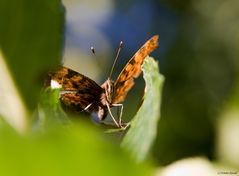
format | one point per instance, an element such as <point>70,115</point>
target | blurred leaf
<point>227,147</point>
<point>143,128</point>
<point>49,111</point>
<point>31,42</point>
<point>12,108</point>
<point>79,150</point>
<point>196,166</point>
<point>228,130</point>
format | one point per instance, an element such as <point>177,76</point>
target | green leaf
<point>143,128</point>
<point>79,150</point>
<point>49,112</point>
<point>31,42</point>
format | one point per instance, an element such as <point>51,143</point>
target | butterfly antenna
<point>99,64</point>
<point>117,55</point>
<point>92,49</point>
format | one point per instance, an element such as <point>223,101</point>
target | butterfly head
<point>108,85</point>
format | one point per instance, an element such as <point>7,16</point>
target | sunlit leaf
<point>143,128</point>
<point>12,108</point>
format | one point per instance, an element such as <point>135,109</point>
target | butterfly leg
<point>87,107</point>
<point>119,112</point>
<point>121,124</point>
<point>111,115</point>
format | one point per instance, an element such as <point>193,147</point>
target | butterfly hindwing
<point>132,69</point>
<point>84,90</point>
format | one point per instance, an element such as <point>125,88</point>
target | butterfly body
<point>81,93</point>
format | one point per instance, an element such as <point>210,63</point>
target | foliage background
<point>198,55</point>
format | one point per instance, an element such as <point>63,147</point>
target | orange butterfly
<point>81,93</point>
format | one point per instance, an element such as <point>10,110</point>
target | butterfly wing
<point>132,69</point>
<point>78,91</point>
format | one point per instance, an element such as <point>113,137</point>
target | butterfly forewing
<point>132,70</point>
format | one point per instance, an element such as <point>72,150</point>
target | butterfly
<point>83,94</point>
